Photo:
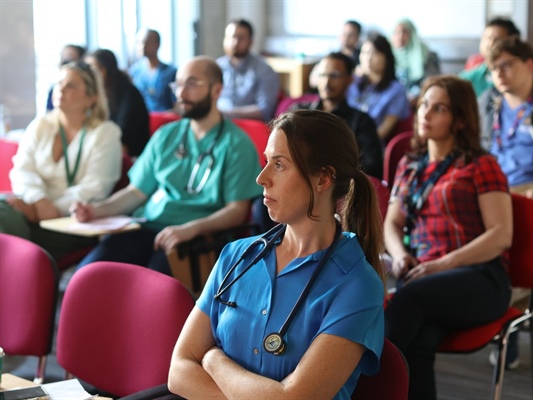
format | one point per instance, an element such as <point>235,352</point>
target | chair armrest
<point>160,392</point>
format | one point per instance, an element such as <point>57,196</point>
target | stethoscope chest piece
<point>274,344</point>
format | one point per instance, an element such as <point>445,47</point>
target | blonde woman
<point>72,153</point>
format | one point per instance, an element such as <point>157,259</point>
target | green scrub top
<point>162,175</point>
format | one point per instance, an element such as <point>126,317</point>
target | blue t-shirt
<point>251,82</point>
<point>345,300</point>
<point>515,155</point>
<point>153,84</point>
<point>163,176</point>
<point>391,101</point>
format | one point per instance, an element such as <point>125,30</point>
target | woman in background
<point>71,154</point>
<point>447,227</point>
<point>375,89</point>
<point>414,60</point>
<point>126,104</point>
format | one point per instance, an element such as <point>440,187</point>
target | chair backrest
<point>288,102</point>
<point>124,180</point>
<point>383,194</point>
<point>28,297</point>
<point>118,325</point>
<point>395,150</point>
<point>159,118</point>
<point>521,252</point>
<point>258,133</point>
<point>392,380</point>
<point>7,150</point>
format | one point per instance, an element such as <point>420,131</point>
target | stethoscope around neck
<point>181,151</point>
<point>274,343</point>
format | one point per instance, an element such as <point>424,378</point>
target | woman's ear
<point>326,179</point>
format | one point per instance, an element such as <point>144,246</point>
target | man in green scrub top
<point>173,185</point>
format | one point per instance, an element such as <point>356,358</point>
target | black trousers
<point>422,312</point>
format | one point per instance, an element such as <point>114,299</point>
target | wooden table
<point>10,381</point>
<point>294,74</point>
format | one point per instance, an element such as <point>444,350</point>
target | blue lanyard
<point>71,176</point>
<point>417,195</point>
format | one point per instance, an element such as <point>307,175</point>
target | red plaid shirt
<point>450,217</point>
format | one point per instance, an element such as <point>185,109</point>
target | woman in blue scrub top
<point>327,283</point>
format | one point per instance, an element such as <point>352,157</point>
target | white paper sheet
<point>67,390</point>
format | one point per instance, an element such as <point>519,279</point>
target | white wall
<point>17,61</point>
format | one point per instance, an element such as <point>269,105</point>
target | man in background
<point>480,76</point>
<point>349,39</point>
<point>150,75</point>
<point>69,53</point>
<point>334,75</point>
<point>251,87</point>
<point>507,127</point>
<point>174,188</point>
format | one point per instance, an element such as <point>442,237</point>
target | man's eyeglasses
<point>504,66</point>
<point>331,75</point>
<point>188,84</point>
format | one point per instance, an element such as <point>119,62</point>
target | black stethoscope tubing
<point>181,151</point>
<point>274,342</point>
<point>276,231</point>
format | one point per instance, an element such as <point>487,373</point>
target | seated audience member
<point>69,53</point>
<point>480,76</point>
<point>507,113</point>
<point>349,40</point>
<point>72,153</point>
<point>376,91</point>
<point>251,87</point>
<point>334,77</point>
<point>174,186</point>
<point>224,350</point>
<point>349,46</point>
<point>414,60</point>
<point>126,104</point>
<point>150,75</point>
<point>447,227</point>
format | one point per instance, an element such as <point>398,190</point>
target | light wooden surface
<point>10,381</point>
<point>63,225</point>
<point>294,74</point>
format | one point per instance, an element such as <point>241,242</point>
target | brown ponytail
<point>361,215</point>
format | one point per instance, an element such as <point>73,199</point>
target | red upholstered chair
<point>382,191</point>
<point>521,274</point>
<point>258,133</point>
<point>159,118</point>
<point>118,326</point>
<point>7,150</point>
<point>395,150</point>
<point>392,380</point>
<point>288,102</point>
<point>28,297</point>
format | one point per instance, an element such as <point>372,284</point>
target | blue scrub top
<point>516,153</point>
<point>346,300</point>
<point>391,101</point>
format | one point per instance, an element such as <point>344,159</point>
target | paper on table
<point>67,390</point>
<point>109,223</point>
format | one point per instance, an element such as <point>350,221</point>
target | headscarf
<point>413,56</point>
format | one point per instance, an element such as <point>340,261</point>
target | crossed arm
<point>199,369</point>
